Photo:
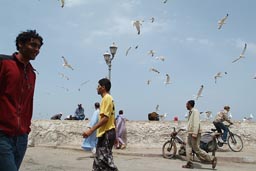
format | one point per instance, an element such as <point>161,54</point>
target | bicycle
<point>208,143</point>
<point>169,148</point>
<point>234,141</point>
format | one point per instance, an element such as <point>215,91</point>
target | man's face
<point>99,89</point>
<point>30,49</point>
<point>188,106</point>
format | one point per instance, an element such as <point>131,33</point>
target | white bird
<point>221,22</point>
<point>83,83</point>
<point>154,70</point>
<point>63,76</point>
<point>148,82</point>
<point>167,80</point>
<point>66,64</point>
<point>127,51</point>
<point>242,54</point>
<point>165,1</point>
<point>163,116</point>
<point>218,75</point>
<point>208,114</point>
<point>62,3</point>
<point>152,19</point>
<point>199,94</point>
<point>157,107</point>
<point>254,76</point>
<point>151,52</point>
<point>162,58</point>
<point>137,24</point>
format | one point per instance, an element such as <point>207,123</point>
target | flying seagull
<point>162,58</point>
<point>218,75</point>
<point>83,83</point>
<point>152,19</point>
<point>151,52</point>
<point>157,108</point>
<point>242,54</point>
<point>167,80</point>
<point>165,1</point>
<point>154,70</point>
<point>221,22</point>
<point>63,76</point>
<point>136,47</point>
<point>199,94</point>
<point>148,82</point>
<point>163,116</point>
<point>137,24</point>
<point>254,76</point>
<point>62,3</point>
<point>66,64</point>
<point>127,51</point>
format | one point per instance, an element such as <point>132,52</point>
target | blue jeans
<point>220,126</point>
<point>12,151</point>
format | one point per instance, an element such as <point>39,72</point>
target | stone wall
<point>139,133</point>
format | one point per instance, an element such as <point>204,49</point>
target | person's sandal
<point>214,162</point>
<point>188,166</point>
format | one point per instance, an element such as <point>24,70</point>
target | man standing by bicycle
<point>193,138</point>
<point>218,123</point>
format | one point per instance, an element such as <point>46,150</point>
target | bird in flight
<point>241,55</point>
<point>154,70</point>
<point>63,76</point>
<point>62,3</point>
<point>137,24</point>
<point>162,58</point>
<point>168,79</point>
<point>148,82</point>
<point>157,108</point>
<point>199,94</point>
<point>254,76</point>
<point>165,1</point>
<point>152,19</point>
<point>221,22</point>
<point>127,51</point>
<point>66,64</point>
<point>151,52</point>
<point>218,75</point>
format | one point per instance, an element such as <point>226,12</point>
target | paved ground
<point>131,159</point>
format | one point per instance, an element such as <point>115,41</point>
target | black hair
<point>121,112</point>
<point>97,105</point>
<point>26,36</point>
<point>192,103</point>
<point>106,83</point>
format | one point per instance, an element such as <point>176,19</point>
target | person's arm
<point>102,121</point>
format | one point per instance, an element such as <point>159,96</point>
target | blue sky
<point>184,32</point>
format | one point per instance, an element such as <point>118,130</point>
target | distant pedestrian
<point>194,136</point>
<point>105,129</point>
<point>121,131</point>
<point>17,85</point>
<point>90,142</point>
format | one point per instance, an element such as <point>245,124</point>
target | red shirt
<point>17,83</point>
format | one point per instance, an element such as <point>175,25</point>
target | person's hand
<point>87,133</point>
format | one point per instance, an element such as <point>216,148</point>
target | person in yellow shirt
<point>105,128</point>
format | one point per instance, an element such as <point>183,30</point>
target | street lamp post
<point>109,57</point>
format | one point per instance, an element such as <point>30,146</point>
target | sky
<point>185,32</point>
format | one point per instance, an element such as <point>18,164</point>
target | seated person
<point>57,116</point>
<point>79,113</point>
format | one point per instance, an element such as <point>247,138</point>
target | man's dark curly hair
<point>26,36</point>
<point>106,83</point>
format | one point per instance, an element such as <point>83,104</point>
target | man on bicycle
<point>218,123</point>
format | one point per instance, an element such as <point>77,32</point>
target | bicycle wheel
<point>169,149</point>
<point>235,143</point>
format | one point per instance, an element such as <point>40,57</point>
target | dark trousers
<point>104,157</point>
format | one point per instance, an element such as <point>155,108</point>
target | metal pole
<point>109,71</point>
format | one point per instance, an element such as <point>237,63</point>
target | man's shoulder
<point>5,57</point>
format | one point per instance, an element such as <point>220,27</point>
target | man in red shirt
<point>17,83</point>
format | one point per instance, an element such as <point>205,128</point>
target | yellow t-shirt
<point>107,108</point>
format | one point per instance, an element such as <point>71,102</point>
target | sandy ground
<point>131,159</point>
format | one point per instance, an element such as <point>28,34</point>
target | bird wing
<point>127,51</point>
<point>236,60</point>
<point>245,46</point>
<point>199,94</point>
<point>65,61</point>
